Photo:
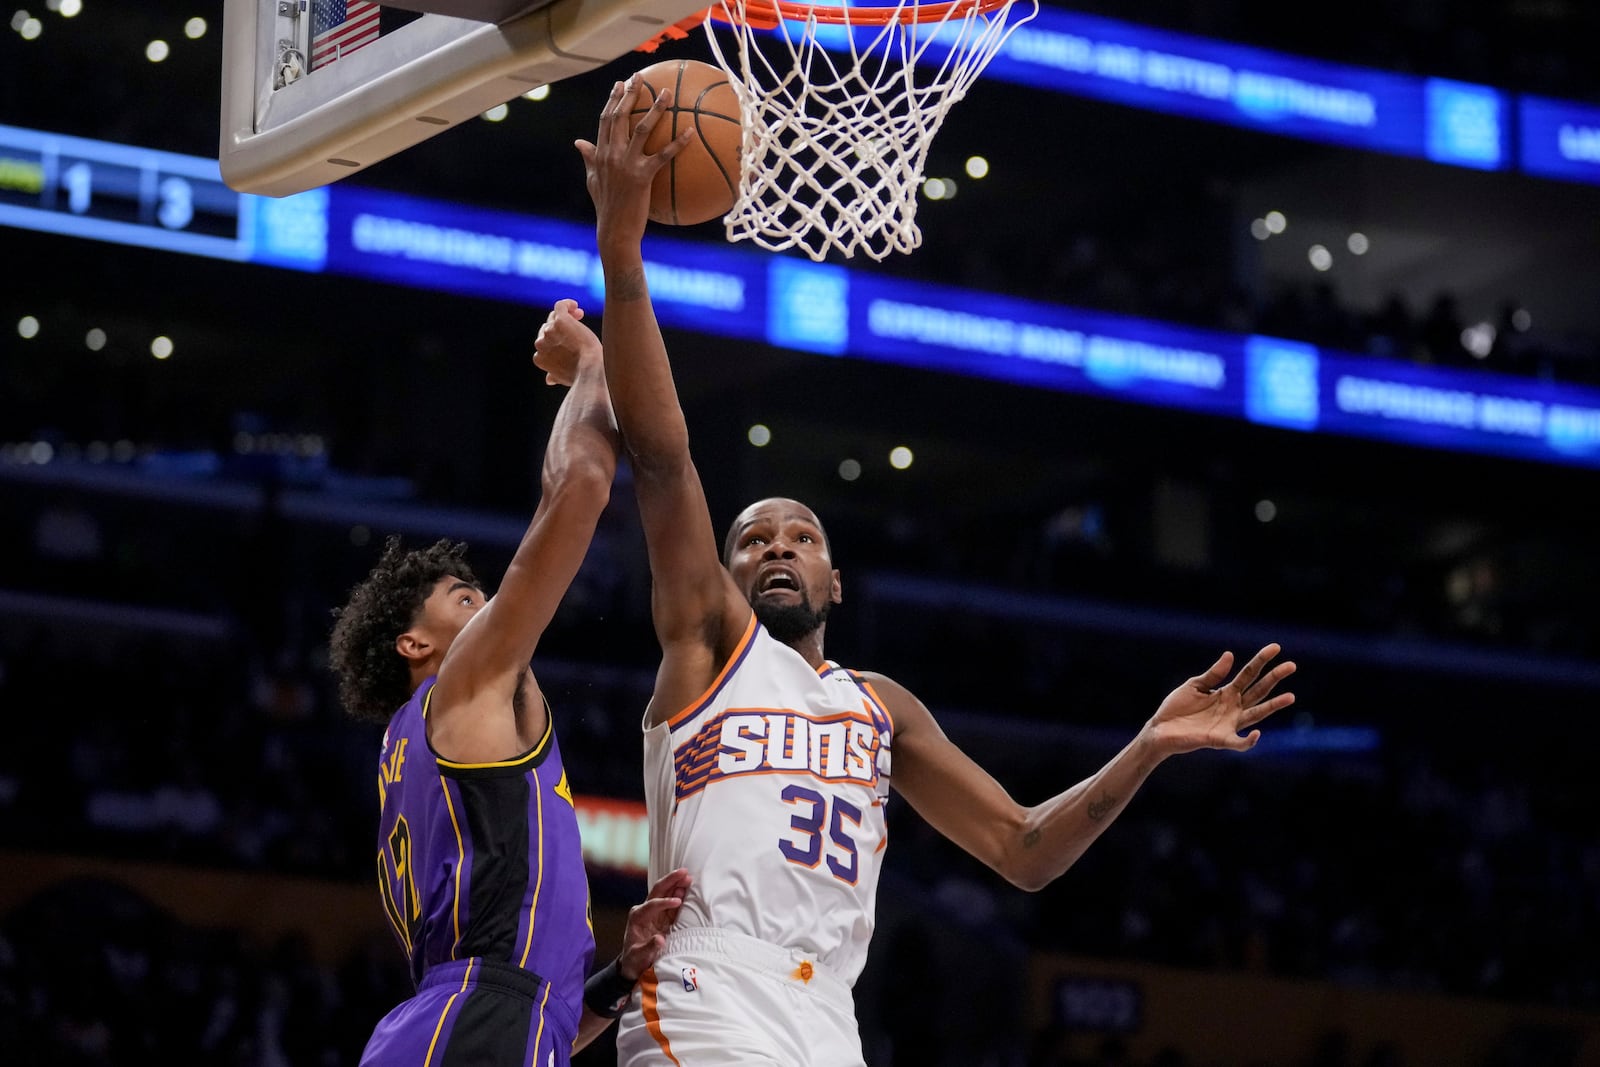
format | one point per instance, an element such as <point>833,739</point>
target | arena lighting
<point>1478,339</point>
<point>165,201</point>
<point>759,435</point>
<point>850,469</point>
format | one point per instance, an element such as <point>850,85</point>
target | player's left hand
<point>563,343</point>
<point>1204,712</point>
<point>645,935</point>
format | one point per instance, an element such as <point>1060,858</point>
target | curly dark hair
<point>374,680</point>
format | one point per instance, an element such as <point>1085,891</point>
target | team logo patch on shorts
<point>691,979</point>
<point>803,972</point>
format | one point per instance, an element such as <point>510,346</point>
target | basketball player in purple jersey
<point>478,859</point>
<point>767,766</point>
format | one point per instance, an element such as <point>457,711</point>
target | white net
<point>838,117</point>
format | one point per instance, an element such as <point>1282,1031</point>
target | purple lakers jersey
<point>481,861</point>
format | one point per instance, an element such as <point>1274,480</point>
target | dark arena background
<point>1178,373</point>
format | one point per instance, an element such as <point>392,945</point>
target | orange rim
<point>765,14</point>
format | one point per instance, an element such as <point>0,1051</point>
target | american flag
<point>339,27</point>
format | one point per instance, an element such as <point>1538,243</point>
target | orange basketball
<point>703,181</point>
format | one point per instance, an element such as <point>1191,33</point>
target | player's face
<point>780,559</point>
<point>450,606</point>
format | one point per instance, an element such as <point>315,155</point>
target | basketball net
<point>839,106</point>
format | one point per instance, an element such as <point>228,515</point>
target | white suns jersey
<point>770,789</point>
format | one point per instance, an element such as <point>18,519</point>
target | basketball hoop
<point>837,127</point>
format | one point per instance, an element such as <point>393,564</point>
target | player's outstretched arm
<point>643,939</point>
<point>698,613</point>
<point>489,659</point>
<point>1032,846</point>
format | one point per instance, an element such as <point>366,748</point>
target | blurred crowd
<point>1439,854</point>
<point>94,974</point>
<point>1158,268</point>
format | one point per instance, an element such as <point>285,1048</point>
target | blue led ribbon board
<point>1177,74</point>
<point>1559,139</point>
<point>131,196</point>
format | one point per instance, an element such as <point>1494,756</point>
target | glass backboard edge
<point>406,87</point>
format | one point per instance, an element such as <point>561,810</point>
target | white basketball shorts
<point>720,999</point>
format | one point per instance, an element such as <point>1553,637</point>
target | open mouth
<point>777,579</point>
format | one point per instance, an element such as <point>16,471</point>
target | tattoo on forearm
<point>629,287</point>
<point>1099,809</point>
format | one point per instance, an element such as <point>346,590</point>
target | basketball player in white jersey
<point>767,766</point>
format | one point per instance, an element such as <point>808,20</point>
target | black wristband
<point>606,992</point>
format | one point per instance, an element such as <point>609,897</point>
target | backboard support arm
<point>282,137</point>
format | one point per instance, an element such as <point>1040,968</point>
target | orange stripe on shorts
<point>652,1013</point>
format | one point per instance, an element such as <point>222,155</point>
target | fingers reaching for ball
<point>693,123</point>
<point>667,149</point>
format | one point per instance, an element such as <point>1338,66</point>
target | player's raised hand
<point>618,171</point>
<point>563,343</point>
<point>645,935</point>
<point>1209,712</point>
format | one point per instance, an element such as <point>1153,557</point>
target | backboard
<point>313,92</point>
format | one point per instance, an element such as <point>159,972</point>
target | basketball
<point>703,181</point>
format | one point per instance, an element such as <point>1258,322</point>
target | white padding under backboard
<point>405,87</point>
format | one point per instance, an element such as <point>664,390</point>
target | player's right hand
<point>617,169</point>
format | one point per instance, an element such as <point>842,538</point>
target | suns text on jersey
<point>740,741</point>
